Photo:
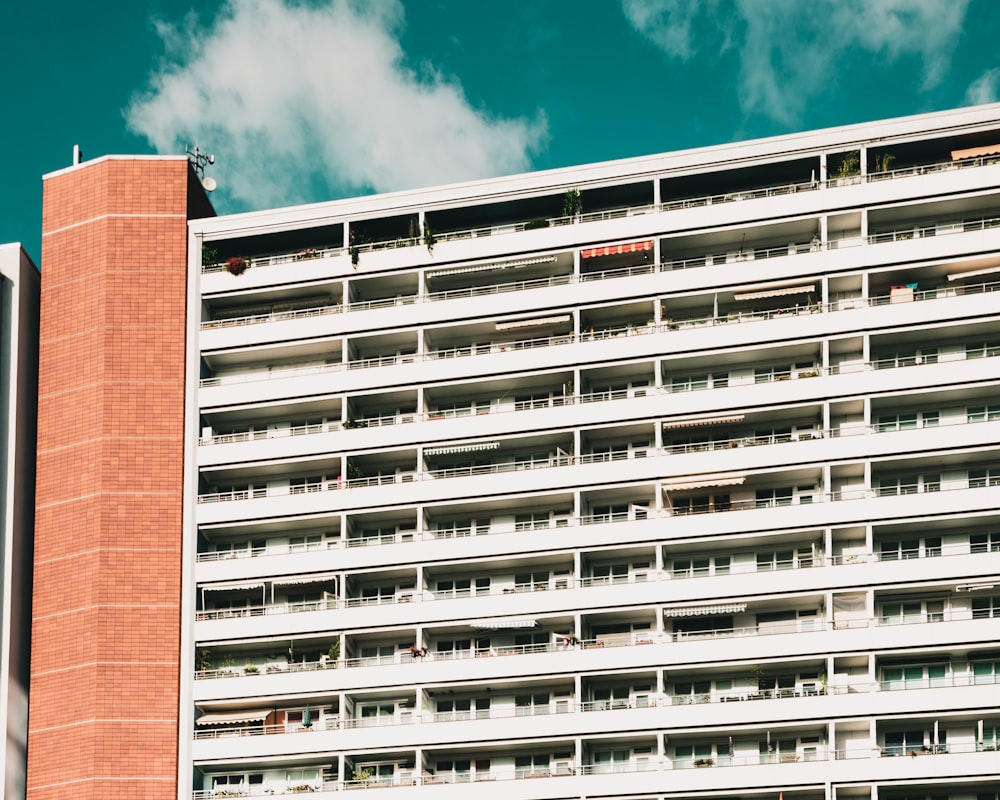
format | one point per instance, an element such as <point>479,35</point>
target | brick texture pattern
<point>107,569</point>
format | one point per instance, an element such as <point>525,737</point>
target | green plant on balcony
<point>204,661</point>
<point>535,224</point>
<point>881,162</point>
<point>301,788</point>
<point>237,265</point>
<point>848,165</point>
<point>251,669</point>
<point>572,203</point>
<point>429,238</point>
<point>362,774</point>
<point>333,653</point>
<point>209,255</point>
<point>308,253</point>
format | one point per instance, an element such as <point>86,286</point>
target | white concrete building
<point>668,477</point>
<point>19,291</point>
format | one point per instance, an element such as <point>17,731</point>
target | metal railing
<point>639,328</point>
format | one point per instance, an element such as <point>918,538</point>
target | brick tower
<point>107,560</point>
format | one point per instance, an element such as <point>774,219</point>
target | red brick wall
<point>107,564</point>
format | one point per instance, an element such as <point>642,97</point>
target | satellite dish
<point>209,184</point>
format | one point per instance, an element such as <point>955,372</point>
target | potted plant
<point>429,238</point>
<point>704,762</point>
<point>251,669</point>
<point>208,255</point>
<point>237,265</point>
<point>535,224</point>
<point>333,653</point>
<point>572,203</point>
<point>308,253</point>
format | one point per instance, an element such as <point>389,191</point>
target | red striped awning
<point>617,249</point>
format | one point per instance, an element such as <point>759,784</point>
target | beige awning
<point>975,152</point>
<point>775,291</point>
<point>700,482</point>
<point>505,623</point>
<point>299,580</point>
<point>973,273</point>
<point>704,611</point>
<point>693,423</point>
<point>530,323</point>
<point>475,447</point>
<point>232,717</point>
<point>231,587</point>
<point>497,265</point>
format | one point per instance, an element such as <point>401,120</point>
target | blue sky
<point>308,100</point>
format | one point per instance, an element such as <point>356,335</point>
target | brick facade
<point>107,562</point>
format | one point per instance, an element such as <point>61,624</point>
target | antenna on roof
<point>77,154</point>
<point>198,161</point>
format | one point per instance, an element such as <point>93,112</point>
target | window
<point>901,613</point>
<point>454,648</point>
<point>527,705</point>
<point>777,750</point>
<point>462,587</point>
<point>531,765</point>
<point>688,692</point>
<point>984,542</point>
<point>907,358</point>
<point>982,350</point>
<point>608,697</point>
<point>908,484</point>
<point>899,742</point>
<point>767,498</point>
<point>532,642</point>
<point>701,504</point>
<point>985,607</point>
<point>531,581</point>
<point>903,549</point>
<point>606,761</point>
<point>775,560</point>
<point>908,421</point>
<point>238,782</point>
<point>768,374</point>
<point>981,477</point>
<point>532,521</point>
<point>610,513</point>
<point>918,676</point>
<point>377,714</point>
<point>689,383</point>
<point>985,672</point>
<point>611,573</point>
<point>312,483</point>
<point>986,413</point>
<point>454,528</point>
<point>311,542</point>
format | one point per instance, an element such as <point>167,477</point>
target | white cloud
<point>790,50</point>
<point>984,89</point>
<point>300,100</point>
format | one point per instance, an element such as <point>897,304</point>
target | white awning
<point>497,265</point>
<point>508,623</point>
<point>704,611</point>
<point>692,423</point>
<point>774,291</point>
<point>231,587</point>
<point>299,580</point>
<point>973,273</point>
<point>529,323</point>
<point>475,447</point>
<point>231,717</point>
<point>700,482</point>
<point>975,152</point>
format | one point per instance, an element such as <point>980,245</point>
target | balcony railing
<point>565,645</point>
<point>618,213</point>
<point>817,755</point>
<point>638,329</point>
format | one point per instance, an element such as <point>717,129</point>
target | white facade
<point>689,488</point>
<point>19,296</point>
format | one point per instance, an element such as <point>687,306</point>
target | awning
<point>299,580</point>
<point>476,447</point>
<point>704,611</point>
<point>498,265</point>
<point>975,152</point>
<point>528,323</point>
<point>973,273</point>
<point>693,423</point>
<point>231,587</point>
<point>231,717</point>
<point>682,484</point>
<point>775,291</point>
<point>616,249</point>
<point>509,623</point>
